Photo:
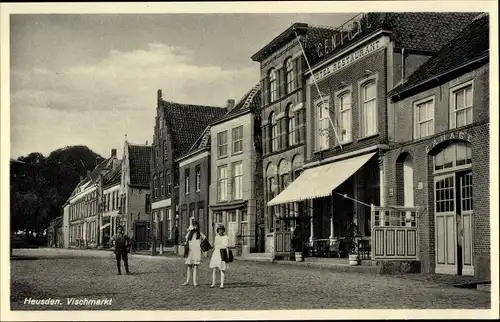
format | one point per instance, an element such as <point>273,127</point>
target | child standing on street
<point>193,259</point>
<point>216,263</point>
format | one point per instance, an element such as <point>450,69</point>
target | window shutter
<point>265,86</point>
<point>281,80</point>
<point>298,72</point>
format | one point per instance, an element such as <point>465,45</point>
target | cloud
<point>129,80</point>
<point>97,104</point>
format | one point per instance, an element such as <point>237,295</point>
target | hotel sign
<point>449,136</point>
<point>351,58</point>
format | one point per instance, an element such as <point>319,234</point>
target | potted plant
<point>297,246</point>
<point>351,238</point>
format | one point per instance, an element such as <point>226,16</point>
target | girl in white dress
<point>193,259</point>
<point>216,262</point>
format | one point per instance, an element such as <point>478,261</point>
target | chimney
<point>113,152</point>
<point>230,104</point>
<point>146,142</point>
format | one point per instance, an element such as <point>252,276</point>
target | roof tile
<point>139,164</point>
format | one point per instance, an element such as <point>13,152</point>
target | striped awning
<point>320,181</point>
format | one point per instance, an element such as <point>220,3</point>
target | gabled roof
<point>202,142</point>
<point>248,103</point>
<point>139,163</point>
<point>423,32</point>
<point>187,122</point>
<point>93,176</point>
<point>470,45</point>
<point>113,177</point>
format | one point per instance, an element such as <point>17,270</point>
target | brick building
<point>283,129</point>
<point>177,128</point>
<point>347,114</point>
<point>440,159</point>
<point>236,198</point>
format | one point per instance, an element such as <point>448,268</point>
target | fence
<point>394,233</point>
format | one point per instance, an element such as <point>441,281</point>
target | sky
<point>91,79</point>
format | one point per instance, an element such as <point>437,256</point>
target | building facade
<point>283,129</point>
<point>194,185</point>
<point>135,193</point>
<point>177,128</point>
<point>236,174</point>
<point>441,158</point>
<point>83,207</point>
<point>347,116</point>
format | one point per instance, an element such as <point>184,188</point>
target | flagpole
<point>317,87</point>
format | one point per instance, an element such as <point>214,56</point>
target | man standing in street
<point>122,244</point>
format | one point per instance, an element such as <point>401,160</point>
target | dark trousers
<point>119,257</point>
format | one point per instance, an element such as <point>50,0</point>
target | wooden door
<point>445,223</point>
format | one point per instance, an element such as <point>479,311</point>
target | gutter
<point>397,93</point>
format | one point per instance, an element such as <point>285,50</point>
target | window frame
<point>454,167</point>
<point>322,118</point>
<point>339,96</point>
<point>187,181</point>
<point>221,180</point>
<point>273,85</point>
<point>169,182</point>
<point>292,127</point>
<point>452,109</point>
<point>416,117</point>
<point>234,178</point>
<point>234,131</point>
<point>222,146</point>
<point>289,75</point>
<point>362,86</point>
<point>198,178</point>
<point>274,137</point>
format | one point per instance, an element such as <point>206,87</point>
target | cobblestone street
<point>156,284</point>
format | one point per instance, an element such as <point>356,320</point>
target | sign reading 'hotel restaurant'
<point>351,58</point>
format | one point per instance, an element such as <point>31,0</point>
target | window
<point>186,181</point>
<point>344,117</point>
<point>147,206</point>
<point>424,118</point>
<point>165,150</point>
<point>454,155</point>
<point>198,178</point>
<point>157,151</point>
<point>272,86</point>
<point>155,187</point>
<point>162,185</point>
<point>222,183</point>
<point>244,227</point>
<point>237,180</point>
<point>323,125</point>
<point>292,126</point>
<point>274,132</point>
<point>169,223</point>
<point>461,105</point>
<point>369,115</point>
<point>444,193</point>
<point>290,76</point>
<point>222,144</point>
<point>169,182</point>
<point>237,139</point>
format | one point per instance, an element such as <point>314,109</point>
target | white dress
<point>194,255</point>
<point>221,242</point>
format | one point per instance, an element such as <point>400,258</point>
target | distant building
<point>177,128</point>
<point>135,193</point>
<point>55,233</point>
<point>236,197</point>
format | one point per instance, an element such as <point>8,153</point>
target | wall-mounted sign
<point>449,136</point>
<point>343,35</point>
<point>351,58</point>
